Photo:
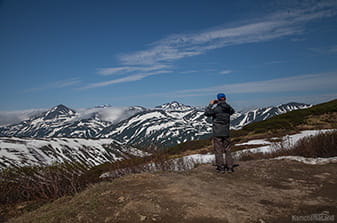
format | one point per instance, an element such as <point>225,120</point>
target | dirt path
<point>258,191</point>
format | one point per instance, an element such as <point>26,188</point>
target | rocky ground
<point>258,191</point>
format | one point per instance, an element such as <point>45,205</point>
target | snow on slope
<point>161,126</point>
<point>20,151</point>
<point>239,120</point>
<point>310,161</point>
<point>289,140</point>
<point>189,162</point>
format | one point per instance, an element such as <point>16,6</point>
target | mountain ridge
<point>166,125</point>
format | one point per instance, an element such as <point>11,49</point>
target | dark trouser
<point>221,145</point>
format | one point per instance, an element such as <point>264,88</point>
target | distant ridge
<point>165,125</point>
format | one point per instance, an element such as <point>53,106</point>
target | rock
<point>108,219</point>
<point>121,199</point>
<point>80,218</point>
<point>142,218</point>
<point>20,207</point>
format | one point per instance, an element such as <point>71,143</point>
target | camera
<point>216,101</point>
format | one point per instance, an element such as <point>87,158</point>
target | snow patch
<point>306,160</point>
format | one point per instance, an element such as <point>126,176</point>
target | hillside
<point>258,191</point>
<point>317,117</point>
<point>30,152</point>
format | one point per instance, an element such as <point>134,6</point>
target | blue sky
<point>123,53</point>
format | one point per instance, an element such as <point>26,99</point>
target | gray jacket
<point>220,114</point>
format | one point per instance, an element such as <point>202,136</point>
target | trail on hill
<point>258,191</point>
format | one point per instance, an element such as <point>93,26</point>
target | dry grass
<point>19,184</point>
<point>321,145</point>
<point>41,184</point>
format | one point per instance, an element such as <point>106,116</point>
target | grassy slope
<point>297,120</point>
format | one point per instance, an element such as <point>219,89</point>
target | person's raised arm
<point>209,109</point>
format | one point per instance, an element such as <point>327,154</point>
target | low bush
<point>19,184</point>
<point>322,145</point>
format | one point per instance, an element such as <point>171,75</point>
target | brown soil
<point>258,191</point>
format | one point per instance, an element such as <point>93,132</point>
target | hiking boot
<point>220,169</point>
<point>230,170</point>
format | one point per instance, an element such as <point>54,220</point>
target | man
<point>220,114</point>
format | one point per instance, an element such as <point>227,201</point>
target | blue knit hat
<point>221,95</point>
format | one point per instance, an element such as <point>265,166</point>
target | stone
<point>142,218</point>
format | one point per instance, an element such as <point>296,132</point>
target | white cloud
<point>12,117</point>
<point>271,27</point>
<point>140,64</point>
<point>308,82</point>
<point>129,69</point>
<point>225,72</point>
<point>130,78</point>
<point>301,83</point>
<point>189,71</point>
<point>275,62</point>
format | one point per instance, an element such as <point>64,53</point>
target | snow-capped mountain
<point>61,121</point>
<point>238,120</point>
<point>173,123</point>
<point>165,125</point>
<point>45,125</point>
<point>19,151</point>
<point>174,106</point>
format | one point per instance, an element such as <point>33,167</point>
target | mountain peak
<point>174,105</point>
<point>57,111</point>
<point>293,106</point>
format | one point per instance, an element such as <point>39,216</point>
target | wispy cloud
<point>274,26</point>
<point>308,82</point>
<point>57,84</point>
<point>301,83</point>
<point>225,72</point>
<point>130,69</point>
<point>129,78</point>
<point>159,56</point>
<point>325,50</point>
<point>321,83</point>
<point>189,71</point>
